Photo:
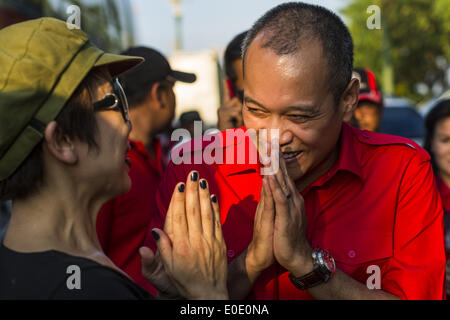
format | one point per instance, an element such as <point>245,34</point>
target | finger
<point>259,209</point>
<point>193,204</point>
<point>150,264</point>
<point>168,219</point>
<point>235,104</point>
<point>164,246</point>
<point>295,196</point>
<point>280,201</point>
<point>280,175</point>
<point>217,221</point>
<point>207,214</point>
<point>226,92</point>
<point>268,213</point>
<point>176,221</point>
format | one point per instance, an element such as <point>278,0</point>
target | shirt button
<point>230,253</point>
<point>352,254</point>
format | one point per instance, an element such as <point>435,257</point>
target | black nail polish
<point>155,235</point>
<point>181,187</point>
<point>203,184</point>
<point>194,176</point>
<point>214,198</point>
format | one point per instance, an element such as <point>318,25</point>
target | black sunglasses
<point>114,101</point>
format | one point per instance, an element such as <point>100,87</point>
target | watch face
<point>327,260</point>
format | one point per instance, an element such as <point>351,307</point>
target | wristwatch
<point>324,268</point>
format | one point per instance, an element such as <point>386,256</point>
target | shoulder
<point>387,146</point>
<point>94,281</point>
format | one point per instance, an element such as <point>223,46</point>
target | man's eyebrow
<point>247,99</point>
<point>306,108</point>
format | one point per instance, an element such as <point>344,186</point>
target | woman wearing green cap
<point>64,131</point>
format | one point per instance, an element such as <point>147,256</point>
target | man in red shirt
<point>123,222</point>
<point>351,214</point>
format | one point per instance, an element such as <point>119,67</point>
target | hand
<point>153,270</point>
<point>260,251</point>
<point>192,247</point>
<point>230,112</point>
<point>291,249</point>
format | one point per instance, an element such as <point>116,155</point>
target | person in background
<point>63,144</point>
<point>368,113</point>
<point>187,121</point>
<point>437,143</point>
<point>230,112</point>
<point>123,222</point>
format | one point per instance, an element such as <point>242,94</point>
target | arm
<point>416,270</point>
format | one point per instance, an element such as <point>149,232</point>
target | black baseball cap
<point>155,67</point>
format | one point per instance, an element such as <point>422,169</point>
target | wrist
<point>252,268</point>
<point>303,263</point>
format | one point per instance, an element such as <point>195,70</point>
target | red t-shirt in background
<point>377,206</point>
<point>123,222</point>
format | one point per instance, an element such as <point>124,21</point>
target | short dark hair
<point>439,112</point>
<point>291,24</point>
<point>232,53</point>
<point>76,120</point>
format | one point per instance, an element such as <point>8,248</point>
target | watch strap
<point>308,280</point>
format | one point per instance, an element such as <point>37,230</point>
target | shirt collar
<point>348,157</point>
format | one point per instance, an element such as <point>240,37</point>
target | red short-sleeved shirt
<point>377,205</point>
<point>123,222</point>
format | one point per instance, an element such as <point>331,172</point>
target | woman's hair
<point>76,120</point>
<point>438,113</point>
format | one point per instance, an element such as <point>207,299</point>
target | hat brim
<point>372,97</point>
<point>183,76</point>
<point>118,64</point>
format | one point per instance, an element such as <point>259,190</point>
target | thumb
<point>225,91</point>
<point>148,260</point>
<point>164,246</point>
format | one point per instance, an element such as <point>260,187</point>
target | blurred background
<point>409,54</point>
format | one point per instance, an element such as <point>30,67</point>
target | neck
<point>59,217</point>
<point>445,177</point>
<point>142,126</point>
<point>323,167</point>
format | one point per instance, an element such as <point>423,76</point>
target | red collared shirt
<point>377,207</point>
<point>123,222</point>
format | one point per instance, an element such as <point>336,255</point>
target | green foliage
<point>417,32</point>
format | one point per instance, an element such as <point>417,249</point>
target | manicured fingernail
<point>155,235</point>
<point>181,187</point>
<point>203,184</point>
<point>194,176</point>
<point>214,198</point>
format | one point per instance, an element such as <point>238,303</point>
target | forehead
<point>277,80</point>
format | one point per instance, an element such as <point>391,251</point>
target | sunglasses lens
<point>123,99</point>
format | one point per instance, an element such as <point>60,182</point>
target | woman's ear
<point>60,145</point>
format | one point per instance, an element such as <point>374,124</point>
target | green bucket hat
<point>42,62</point>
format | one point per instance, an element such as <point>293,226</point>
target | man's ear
<point>349,99</point>
<point>156,94</point>
<point>59,145</point>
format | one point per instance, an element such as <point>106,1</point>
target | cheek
<point>440,149</point>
